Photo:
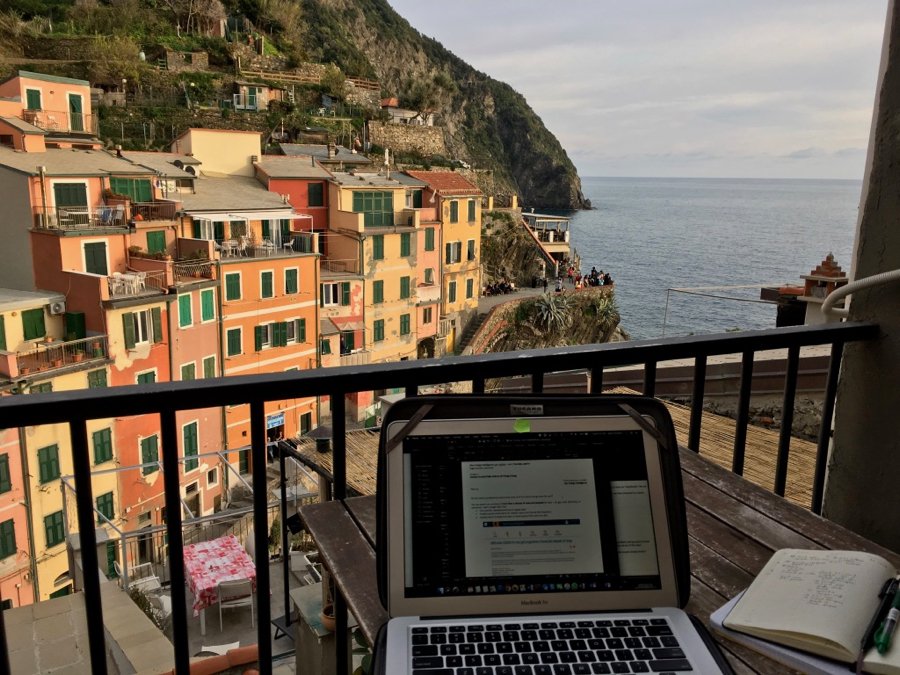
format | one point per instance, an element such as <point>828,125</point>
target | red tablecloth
<point>209,562</point>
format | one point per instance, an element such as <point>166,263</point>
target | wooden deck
<point>733,527</point>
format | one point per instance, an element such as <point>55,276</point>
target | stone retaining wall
<point>426,141</point>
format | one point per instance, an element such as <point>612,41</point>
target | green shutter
<point>316,194</point>
<point>128,328</point>
<point>102,441</point>
<point>454,211</point>
<point>156,242</point>
<point>233,286</point>
<point>156,316</point>
<point>279,334</point>
<point>33,324</point>
<point>5,477</point>
<point>2,334</point>
<point>196,229</point>
<point>33,99</point>
<point>345,293</point>
<point>266,233</point>
<point>7,538</point>
<point>429,239</point>
<point>377,292</point>
<point>95,258</point>
<point>471,210</point>
<point>301,330</point>
<point>190,446</point>
<point>149,453</point>
<point>96,379</point>
<point>267,285</point>
<point>404,244</point>
<point>185,317</point>
<point>70,194</point>
<point>258,337</point>
<point>404,288</point>
<point>207,305</point>
<point>234,342</point>
<point>290,281</point>
<point>209,366</point>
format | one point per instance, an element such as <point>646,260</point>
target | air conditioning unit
<point>58,307</point>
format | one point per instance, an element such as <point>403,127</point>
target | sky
<point>681,88</point>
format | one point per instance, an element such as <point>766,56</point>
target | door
<point>251,98</point>
<point>76,117</point>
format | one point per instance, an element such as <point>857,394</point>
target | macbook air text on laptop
<point>534,536</point>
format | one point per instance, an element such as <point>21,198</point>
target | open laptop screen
<point>545,512</point>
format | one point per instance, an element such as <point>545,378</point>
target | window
<point>454,252</point>
<point>70,194</point>
<point>291,284</point>
<point>451,292</point>
<point>207,304</point>
<point>377,207</point>
<point>102,441</point>
<point>404,324</point>
<point>42,388</point>
<point>378,247</point>
<point>301,330</point>
<point>378,330</point>
<point>33,323</point>
<point>262,336</point>
<point>7,538</point>
<point>266,285</point>
<point>156,242</point>
<point>429,238</point>
<point>348,341</point>
<point>316,194</point>
<point>189,436</point>
<point>149,453</point>
<point>470,249</point>
<point>48,463</point>
<point>185,317</point>
<point>426,315</point>
<point>335,294</point>
<point>95,258</point>
<point>325,345</point>
<point>2,334</point>
<point>404,288</point>
<point>189,371</point>
<point>138,189</point>
<point>53,529</point>
<point>429,276</point>
<point>5,477</point>
<point>142,327</point>
<point>32,99</point>
<point>147,377</point>
<point>405,239</point>
<point>471,210</point>
<point>233,286</point>
<point>209,366</point>
<point>212,477</point>
<point>234,340</point>
<point>96,379</point>
<point>414,199</point>
<point>305,423</point>
<point>470,288</point>
<point>377,292</point>
<point>454,211</point>
<point>105,510</point>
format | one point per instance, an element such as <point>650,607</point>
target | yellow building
<point>224,152</point>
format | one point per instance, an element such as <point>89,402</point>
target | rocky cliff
<point>487,124</point>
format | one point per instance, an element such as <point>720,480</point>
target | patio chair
<point>220,649</point>
<point>233,594</point>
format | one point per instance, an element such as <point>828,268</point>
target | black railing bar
<point>697,403</point>
<point>339,444</point>
<point>87,537</point>
<point>787,421</point>
<point>260,533</point>
<point>831,382</point>
<point>4,648</point>
<point>478,385</point>
<point>743,415</point>
<point>537,382</point>
<point>172,495</point>
<point>648,388</point>
<point>596,374</point>
<point>412,390</point>
<point>29,410</point>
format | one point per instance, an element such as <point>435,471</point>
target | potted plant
<point>78,355</point>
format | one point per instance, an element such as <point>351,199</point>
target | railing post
<point>787,419</point>
<point>743,414</point>
<point>260,532</point>
<point>831,383</point>
<point>649,378</point>
<point>697,403</point>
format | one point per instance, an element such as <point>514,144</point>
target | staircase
<point>472,329</point>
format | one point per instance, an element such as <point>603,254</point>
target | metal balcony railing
<point>58,354</point>
<point>188,270</point>
<point>62,121</point>
<point>154,210</point>
<point>75,408</point>
<point>80,217</point>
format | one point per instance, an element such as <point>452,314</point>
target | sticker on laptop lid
<point>529,409</point>
<point>522,426</point>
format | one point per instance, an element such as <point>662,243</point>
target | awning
<point>327,327</point>
<point>249,215</point>
<point>347,324</point>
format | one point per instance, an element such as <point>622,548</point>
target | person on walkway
<point>545,284</point>
<point>559,285</point>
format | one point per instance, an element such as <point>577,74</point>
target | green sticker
<point>522,426</point>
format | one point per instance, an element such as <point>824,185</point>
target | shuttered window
<point>33,324</point>
<point>207,304</point>
<point>102,441</point>
<point>316,194</point>
<point>191,446</point>
<point>377,292</point>
<point>149,453</point>
<point>267,285</point>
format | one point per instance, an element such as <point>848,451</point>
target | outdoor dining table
<point>208,563</point>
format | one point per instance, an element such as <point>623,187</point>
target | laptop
<point>534,535</point>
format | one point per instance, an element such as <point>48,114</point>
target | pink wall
<point>297,190</point>
<point>14,569</point>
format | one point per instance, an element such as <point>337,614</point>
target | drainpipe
<point>42,171</point>
<point>29,511</point>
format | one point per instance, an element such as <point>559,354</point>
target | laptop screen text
<point>528,513</point>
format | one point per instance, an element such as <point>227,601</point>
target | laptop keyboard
<point>585,647</point>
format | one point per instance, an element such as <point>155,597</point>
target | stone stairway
<point>471,330</point>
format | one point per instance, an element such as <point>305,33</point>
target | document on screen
<point>531,518</point>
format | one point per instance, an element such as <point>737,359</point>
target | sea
<point>725,237</point>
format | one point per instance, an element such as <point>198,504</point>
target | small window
<point>377,292</point>
<point>405,239</point>
<point>426,315</point>
<point>147,377</point>
<point>156,242</point>
<point>105,509</point>
<point>404,324</point>
<point>48,463</point>
<point>470,249</point>
<point>185,317</point>
<point>149,454</point>
<point>324,345</point>
<point>429,276</point>
<point>451,291</point>
<point>429,238</point>
<point>7,538</point>
<point>471,210</point>
<point>33,324</point>
<point>189,371</point>
<point>454,211</point>
<point>5,477</point>
<point>404,288</point>
<point>470,288</point>
<point>316,194</point>
<point>42,388</point>
<point>142,327</point>
<point>234,342</point>
<point>53,529</point>
<point>96,379</point>
<point>212,477</point>
<point>191,446</point>
<point>233,286</point>
<point>266,285</point>
<point>291,284</point>
<point>209,367</point>
<point>102,441</point>
<point>33,99</point>
<point>378,330</point>
<point>207,304</point>
<point>378,247</point>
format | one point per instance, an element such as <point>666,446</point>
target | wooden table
<point>733,527</point>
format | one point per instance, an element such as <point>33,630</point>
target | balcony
<point>62,121</point>
<point>135,284</point>
<point>360,357</point>
<point>81,218</point>
<point>55,354</point>
<point>149,211</point>
<point>186,271</point>
<point>479,373</point>
<point>339,267</point>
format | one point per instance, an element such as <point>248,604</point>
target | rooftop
<point>320,152</point>
<point>12,299</point>
<point>446,182</point>
<point>22,125</point>
<point>294,166</point>
<point>360,179</point>
<point>65,162</point>
<point>163,162</point>
<point>235,193</point>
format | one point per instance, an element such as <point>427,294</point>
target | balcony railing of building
<point>80,217</point>
<point>60,121</point>
<point>347,266</point>
<point>358,358</point>
<point>136,284</point>
<point>75,408</point>
<point>154,210</point>
<point>192,270</point>
<point>57,354</point>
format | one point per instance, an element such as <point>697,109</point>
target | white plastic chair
<point>221,650</point>
<point>233,594</point>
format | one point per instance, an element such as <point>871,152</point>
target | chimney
<point>118,151</point>
<point>332,150</point>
